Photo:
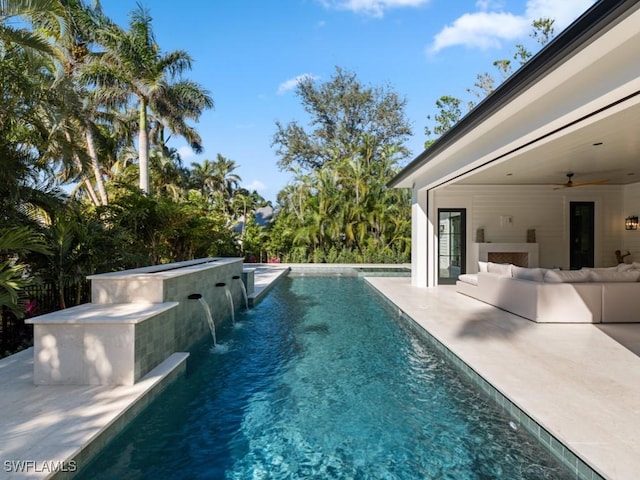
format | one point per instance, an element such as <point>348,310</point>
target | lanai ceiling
<point>607,149</point>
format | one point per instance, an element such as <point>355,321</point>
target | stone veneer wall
<point>137,319</point>
<point>174,283</point>
<point>152,340</point>
<point>191,323</point>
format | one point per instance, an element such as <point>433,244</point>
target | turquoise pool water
<point>322,380</point>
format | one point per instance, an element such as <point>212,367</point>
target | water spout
<point>244,291</point>
<point>207,313</point>
<point>227,292</point>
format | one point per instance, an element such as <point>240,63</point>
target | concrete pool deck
<point>582,382</point>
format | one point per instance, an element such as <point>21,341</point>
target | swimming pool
<point>322,380</point>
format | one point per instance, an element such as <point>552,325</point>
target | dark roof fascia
<point>580,33</point>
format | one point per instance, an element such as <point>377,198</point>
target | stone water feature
<point>136,319</point>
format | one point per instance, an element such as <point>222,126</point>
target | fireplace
<point>520,259</point>
<point>521,254</point>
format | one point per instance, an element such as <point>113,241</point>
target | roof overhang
<point>574,107</point>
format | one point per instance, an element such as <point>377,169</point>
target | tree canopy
<point>338,208</point>
<point>344,115</point>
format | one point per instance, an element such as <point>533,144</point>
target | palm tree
<point>68,27</point>
<point>133,66</point>
<point>170,176</point>
<point>25,37</point>
<point>34,146</point>
<point>203,177</point>
<point>226,181</point>
<point>216,181</point>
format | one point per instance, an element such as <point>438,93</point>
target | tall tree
<point>133,66</point>
<point>449,112</point>
<point>338,207</point>
<point>342,112</point>
<point>216,180</point>
<point>69,28</point>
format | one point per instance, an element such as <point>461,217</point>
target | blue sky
<point>249,53</point>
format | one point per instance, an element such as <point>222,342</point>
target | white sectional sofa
<point>601,295</point>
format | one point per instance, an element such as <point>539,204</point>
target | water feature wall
<point>136,319</point>
<point>174,283</point>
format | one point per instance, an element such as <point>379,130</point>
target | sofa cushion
<point>531,274</point>
<point>469,278</point>
<point>622,267</point>
<point>615,276</point>
<point>600,269</point>
<point>567,276</point>
<point>501,269</point>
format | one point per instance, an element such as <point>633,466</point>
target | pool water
<point>322,380</point>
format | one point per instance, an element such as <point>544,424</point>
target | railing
<point>40,299</point>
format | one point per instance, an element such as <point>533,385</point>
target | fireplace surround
<point>520,254</point>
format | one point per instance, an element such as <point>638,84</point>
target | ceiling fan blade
<point>571,183</point>
<point>595,182</point>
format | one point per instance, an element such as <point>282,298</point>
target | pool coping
<point>51,431</point>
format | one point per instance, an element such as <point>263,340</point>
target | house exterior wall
<point>545,210</point>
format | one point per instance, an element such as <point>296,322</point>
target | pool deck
<point>581,382</point>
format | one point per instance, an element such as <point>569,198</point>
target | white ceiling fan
<point>570,183</point>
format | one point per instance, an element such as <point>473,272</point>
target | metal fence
<point>40,299</point>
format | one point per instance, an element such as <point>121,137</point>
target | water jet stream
<point>227,292</point>
<point>244,291</point>
<point>207,312</point>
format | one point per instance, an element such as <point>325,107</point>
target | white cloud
<point>256,185</point>
<point>483,30</point>
<point>186,153</point>
<point>562,12</point>
<point>488,29</point>
<point>375,8</point>
<point>292,83</point>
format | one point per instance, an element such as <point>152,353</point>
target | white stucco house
<point>509,178</point>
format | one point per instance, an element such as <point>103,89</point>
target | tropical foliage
<point>338,208</point>
<point>89,182</point>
